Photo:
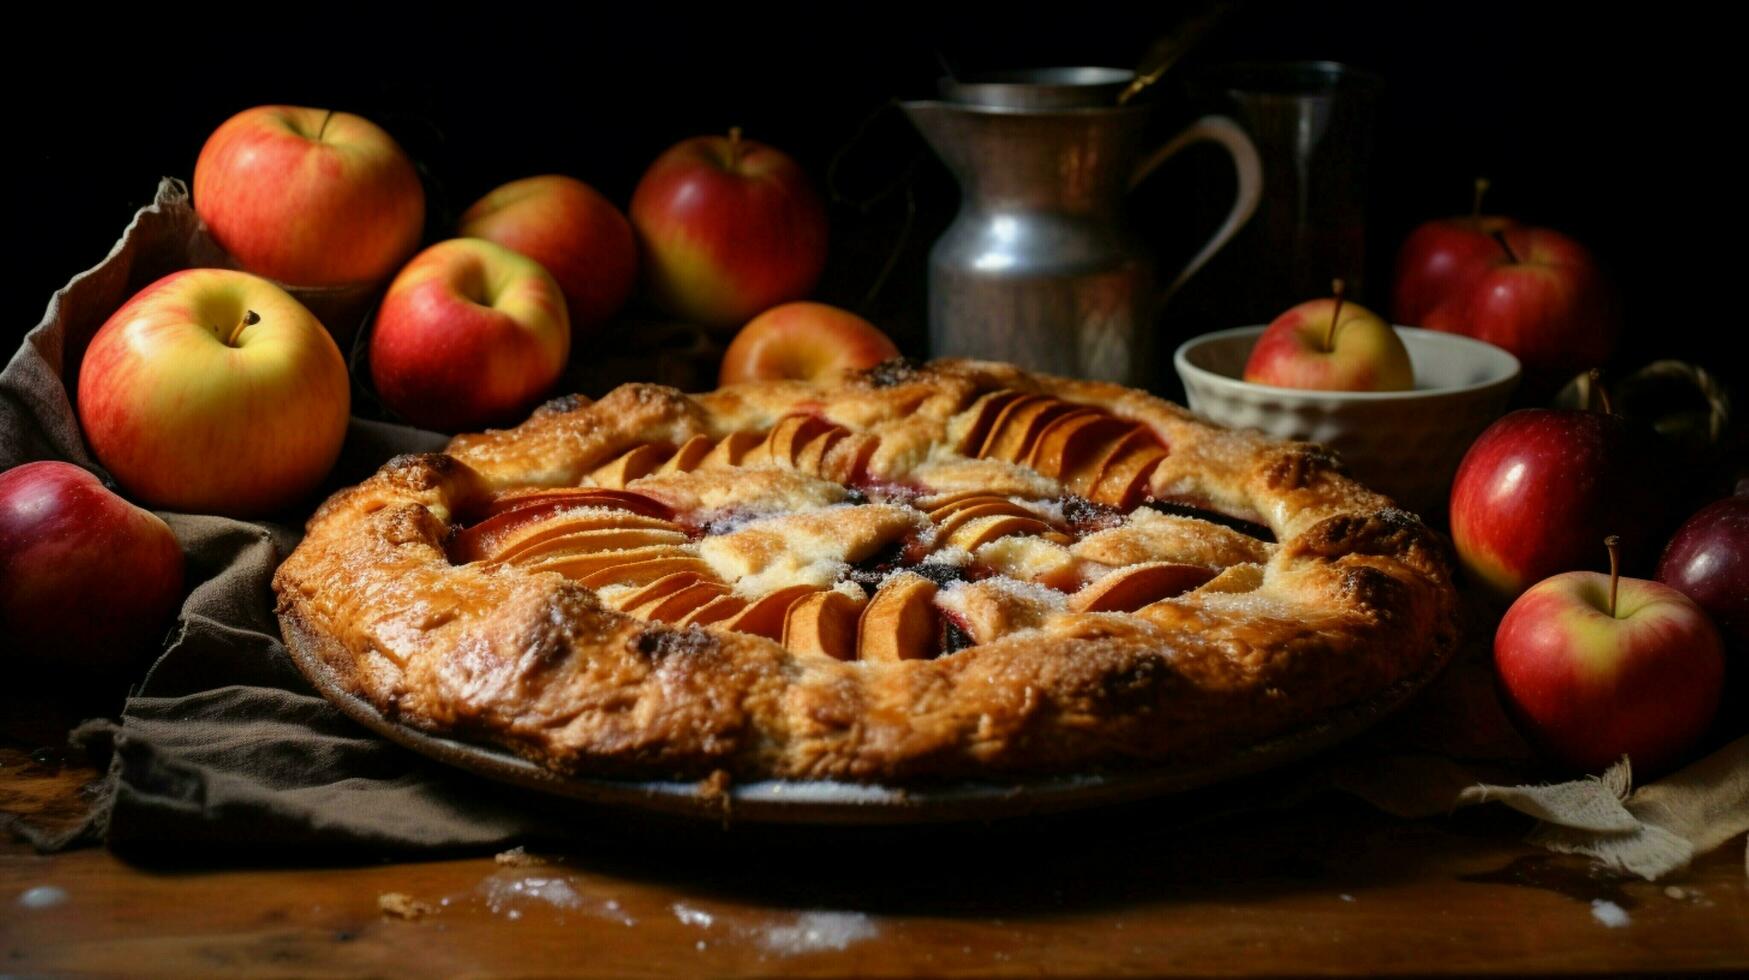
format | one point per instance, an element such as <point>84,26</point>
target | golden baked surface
<point>945,571</point>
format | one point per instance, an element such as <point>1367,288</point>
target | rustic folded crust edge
<point>1356,598</point>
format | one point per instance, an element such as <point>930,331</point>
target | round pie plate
<point>777,801</point>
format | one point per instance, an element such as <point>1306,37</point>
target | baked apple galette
<point>952,571</point>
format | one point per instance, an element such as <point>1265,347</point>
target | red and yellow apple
<point>1539,295</point>
<point>88,581</point>
<point>1330,345</point>
<point>1594,669</point>
<point>1539,488</point>
<point>309,197</point>
<point>805,341</point>
<point>469,334</point>
<point>573,232</point>
<point>729,227</point>
<point>1445,257</point>
<point>214,391</point>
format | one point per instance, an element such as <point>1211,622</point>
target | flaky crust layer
<point>1355,597</point>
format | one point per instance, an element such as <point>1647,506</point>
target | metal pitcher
<point>1038,267</point>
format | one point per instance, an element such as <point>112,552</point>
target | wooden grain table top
<point>1330,888</point>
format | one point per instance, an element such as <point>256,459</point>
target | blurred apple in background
<point>805,341</point>
<point>573,232</point>
<point>469,334</point>
<point>1708,560</point>
<point>1540,296</point>
<point>88,581</point>
<point>1330,345</point>
<point>1443,258</point>
<point>1539,488</point>
<point>214,391</point>
<point>729,227</point>
<point>1594,669</point>
<point>309,197</point>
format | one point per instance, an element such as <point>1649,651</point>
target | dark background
<point>1613,127</point>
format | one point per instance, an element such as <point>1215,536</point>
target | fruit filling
<point>784,533</point>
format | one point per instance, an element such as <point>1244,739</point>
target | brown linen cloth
<point>225,744</point>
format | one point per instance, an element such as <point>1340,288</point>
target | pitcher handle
<point>1246,165</point>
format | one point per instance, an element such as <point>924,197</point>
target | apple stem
<point>1500,236</point>
<point>1338,287</point>
<point>1476,201</point>
<point>734,145</point>
<point>1595,377</point>
<point>1613,543</point>
<point>324,127</point>
<point>250,318</point>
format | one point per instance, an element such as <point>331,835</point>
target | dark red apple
<point>1594,667</point>
<point>1445,257</point>
<point>1539,488</point>
<point>1540,296</point>
<point>88,581</point>
<point>1708,560</point>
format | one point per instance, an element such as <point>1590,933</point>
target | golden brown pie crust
<point>1352,597</point>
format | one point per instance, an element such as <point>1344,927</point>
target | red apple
<point>1595,669</point>
<point>1539,488</point>
<point>213,391</point>
<point>469,334</point>
<point>729,227</point>
<point>1708,560</point>
<point>805,341</point>
<point>1540,296</point>
<point>309,197</point>
<point>1443,258</point>
<point>1330,345</point>
<point>88,581</point>
<point>573,232</point>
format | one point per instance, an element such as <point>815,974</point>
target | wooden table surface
<point>1330,888</point>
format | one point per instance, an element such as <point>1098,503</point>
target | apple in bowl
<point>1595,667</point>
<point>804,341</point>
<point>573,232</point>
<point>214,391</point>
<point>469,334</point>
<point>309,197</point>
<point>88,581</point>
<point>728,227</point>
<point>1330,345</point>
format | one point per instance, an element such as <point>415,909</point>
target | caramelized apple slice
<point>812,457</point>
<point>900,622</point>
<point>668,608</point>
<point>1074,437</point>
<point>686,459</point>
<point>823,623</point>
<point>514,537</point>
<point>559,497</point>
<point>630,465</point>
<point>1129,589</point>
<point>586,542</point>
<point>977,510</point>
<point>714,611</point>
<point>644,571</point>
<point>984,412</point>
<point>975,534</point>
<point>787,439</point>
<point>662,588</point>
<point>579,566</point>
<point>542,518</point>
<point>847,462</point>
<point>940,511</point>
<point>764,616</point>
<point>1082,476</point>
<point>1125,480</point>
<point>1012,431</point>
<point>733,448</point>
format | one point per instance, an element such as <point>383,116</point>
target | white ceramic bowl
<point>1406,444</point>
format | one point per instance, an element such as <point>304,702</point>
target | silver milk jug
<point>1038,267</point>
